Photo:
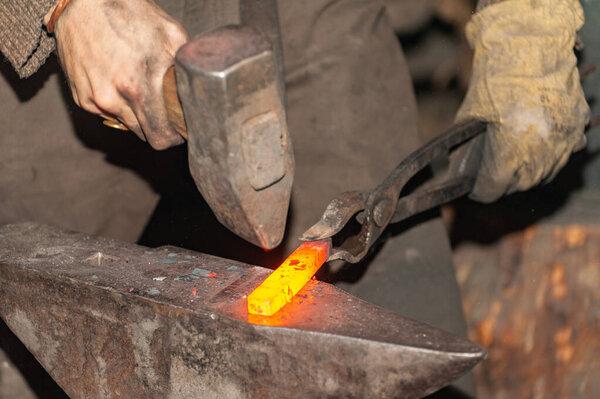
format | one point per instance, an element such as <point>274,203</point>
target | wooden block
<point>533,300</point>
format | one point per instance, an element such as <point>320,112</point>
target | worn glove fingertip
<point>487,191</point>
<point>485,196</point>
<point>581,143</point>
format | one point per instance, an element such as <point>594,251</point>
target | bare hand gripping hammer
<point>239,150</point>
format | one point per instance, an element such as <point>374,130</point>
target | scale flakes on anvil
<point>107,317</point>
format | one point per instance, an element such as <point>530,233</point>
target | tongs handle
<point>383,205</point>
<point>431,197</point>
<point>460,180</point>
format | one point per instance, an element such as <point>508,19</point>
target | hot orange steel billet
<point>289,278</point>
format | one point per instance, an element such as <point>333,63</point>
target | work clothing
<point>525,82</point>
<point>352,117</point>
<point>22,40</point>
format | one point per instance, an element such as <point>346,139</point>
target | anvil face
<point>107,318</point>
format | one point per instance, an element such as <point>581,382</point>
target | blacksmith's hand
<point>525,83</point>
<point>114,54</point>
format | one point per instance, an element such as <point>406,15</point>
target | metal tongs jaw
<point>377,208</point>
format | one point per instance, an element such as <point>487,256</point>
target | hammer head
<point>240,153</point>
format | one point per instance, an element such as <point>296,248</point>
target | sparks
<point>289,278</point>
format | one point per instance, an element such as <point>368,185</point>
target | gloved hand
<point>115,54</point>
<point>525,83</point>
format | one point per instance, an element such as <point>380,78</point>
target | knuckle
<point>105,100</point>
<point>162,142</point>
<point>88,105</point>
<point>159,144</point>
<point>181,38</point>
<point>74,94</point>
<point>76,99</point>
<point>177,33</point>
<point>130,89</point>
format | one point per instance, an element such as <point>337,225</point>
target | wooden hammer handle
<point>174,111</point>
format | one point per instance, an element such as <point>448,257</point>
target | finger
<point>85,93</point>
<point>128,118</point>
<point>562,161</point>
<point>491,184</point>
<point>72,85</point>
<point>466,159</point>
<point>177,36</point>
<point>110,102</point>
<point>496,172</point>
<point>90,106</point>
<point>75,95</point>
<point>542,162</point>
<point>158,131</point>
<point>581,142</point>
<point>112,106</point>
<point>536,162</point>
<point>125,116</point>
<point>152,116</point>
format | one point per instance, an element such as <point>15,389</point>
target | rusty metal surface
<point>109,319</point>
<point>383,205</point>
<point>533,300</point>
<point>239,149</point>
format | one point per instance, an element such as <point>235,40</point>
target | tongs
<point>378,208</point>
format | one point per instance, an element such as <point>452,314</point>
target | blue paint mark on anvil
<point>165,260</point>
<point>201,272</point>
<point>239,270</point>
<point>149,252</point>
<point>186,278</point>
<point>171,255</point>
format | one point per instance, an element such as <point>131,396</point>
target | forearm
<point>23,41</point>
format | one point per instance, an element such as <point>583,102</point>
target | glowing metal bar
<point>289,278</point>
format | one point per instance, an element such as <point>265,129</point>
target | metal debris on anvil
<point>108,329</point>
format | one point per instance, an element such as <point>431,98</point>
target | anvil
<point>112,319</point>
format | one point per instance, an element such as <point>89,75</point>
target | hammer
<point>225,96</point>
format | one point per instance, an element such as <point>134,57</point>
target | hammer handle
<point>174,111</point>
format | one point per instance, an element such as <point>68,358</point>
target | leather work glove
<point>525,83</point>
<point>115,55</point>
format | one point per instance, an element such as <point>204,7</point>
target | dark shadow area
<point>36,376</point>
<point>486,223</point>
<point>413,40</point>
<point>182,218</point>
<point>426,49</point>
<point>25,89</point>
